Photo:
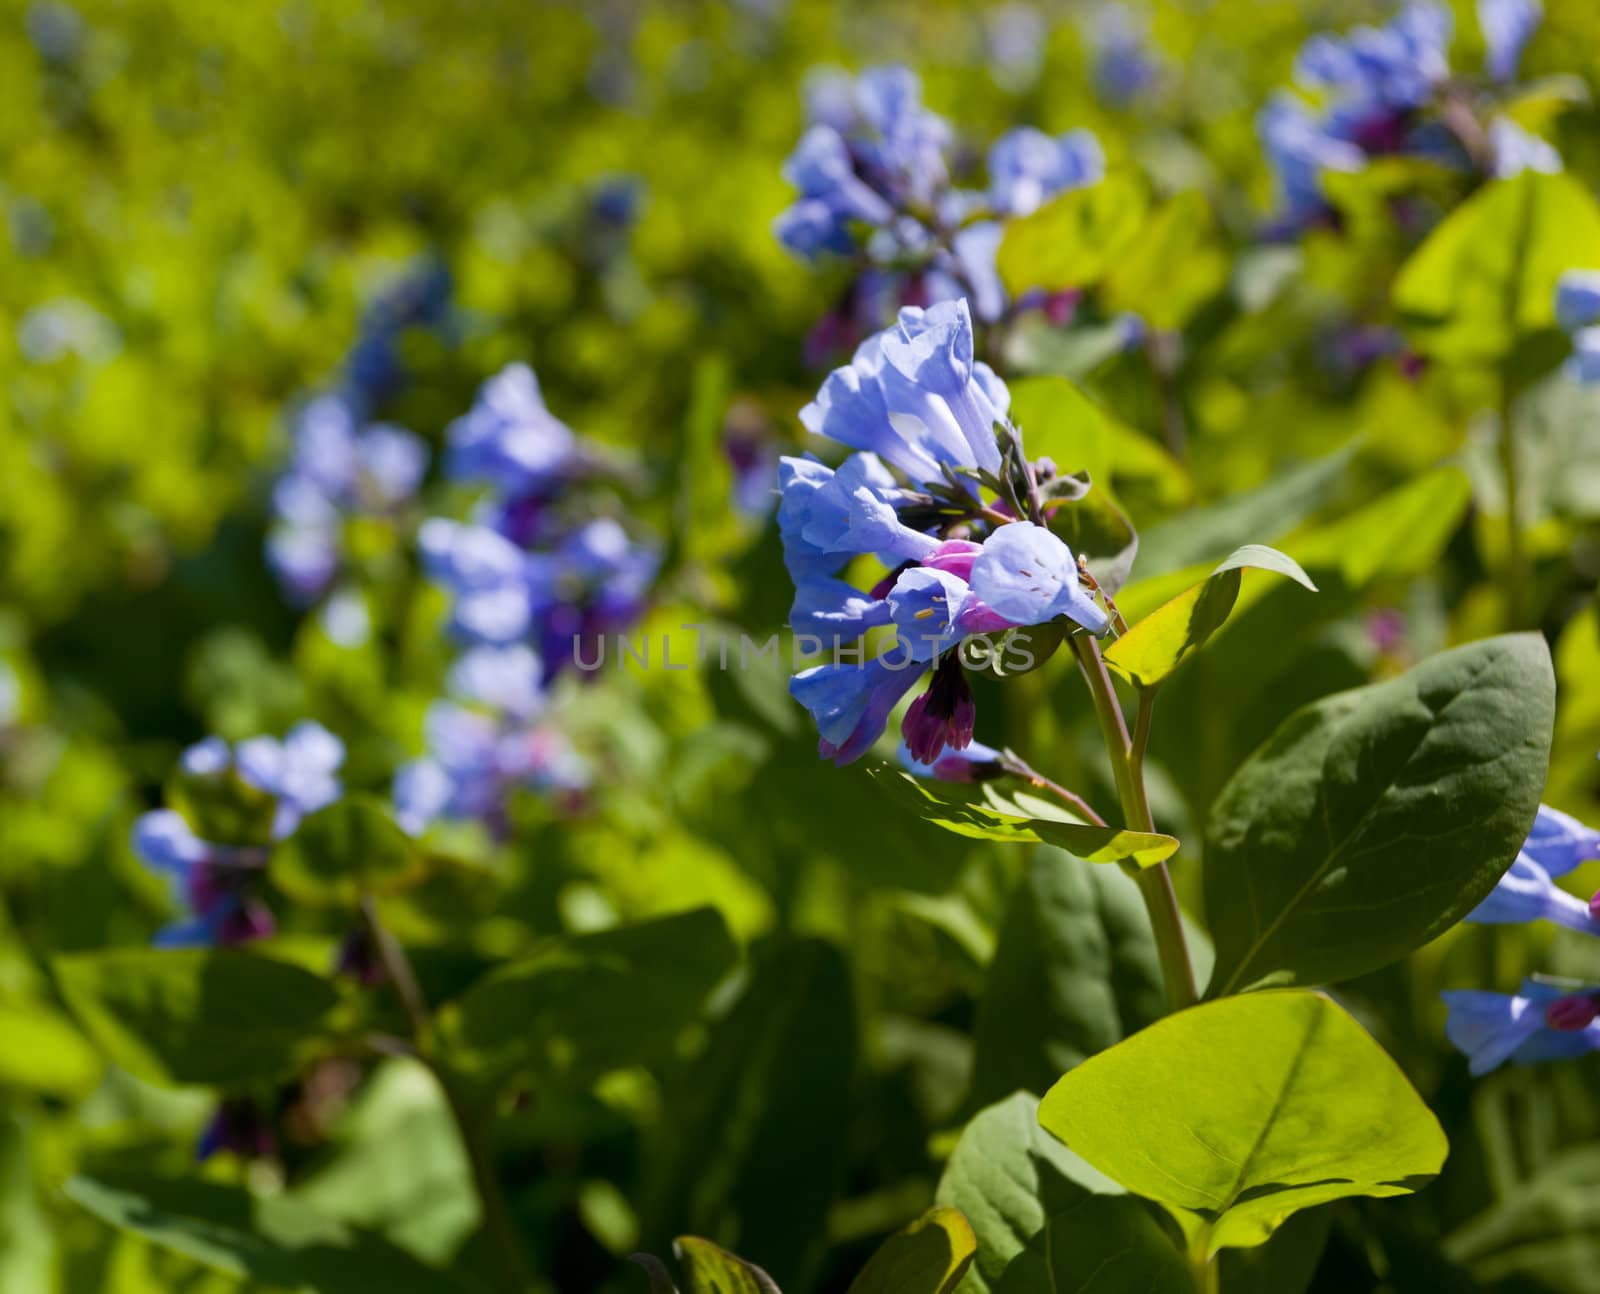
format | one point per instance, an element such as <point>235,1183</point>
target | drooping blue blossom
<point>511,441</point>
<point>1028,167</point>
<point>218,882</point>
<point>1541,1022</point>
<point>373,369</point>
<point>958,565</point>
<point>1556,845</point>
<point>1507,26</point>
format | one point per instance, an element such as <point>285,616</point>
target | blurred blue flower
<point>1507,27</point>
<point>1028,167</point>
<point>1555,846</point>
<point>1578,313</point>
<point>510,440</point>
<point>219,881</point>
<point>1541,1022</point>
<point>1515,150</point>
<point>1123,65</point>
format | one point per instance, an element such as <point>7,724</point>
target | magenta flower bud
<point>955,557</point>
<point>1570,1014</point>
<point>1594,906</point>
<point>944,715</point>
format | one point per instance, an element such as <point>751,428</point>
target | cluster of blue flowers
<point>343,464</point>
<point>256,794</point>
<point>1543,1020</point>
<point>1578,313</point>
<point>938,492</point>
<point>532,579</point>
<point>1378,91</point>
<point>874,171</point>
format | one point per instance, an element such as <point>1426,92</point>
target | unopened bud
<point>1569,1014</point>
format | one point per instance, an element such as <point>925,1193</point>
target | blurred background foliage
<point>201,200</point>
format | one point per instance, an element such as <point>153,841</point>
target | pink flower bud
<point>1569,1014</point>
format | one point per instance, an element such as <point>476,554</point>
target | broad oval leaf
<point>1236,1114</point>
<point>1075,971</point>
<point>572,1009</point>
<point>1375,819</point>
<point>266,1241</point>
<point>1072,240</point>
<point>1486,276</point>
<point>1156,646</point>
<point>43,1052</point>
<point>196,1015</point>
<point>929,1256</point>
<point>972,811</point>
<point>1009,1178</point>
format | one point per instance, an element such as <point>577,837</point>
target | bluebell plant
<point>233,804</point>
<point>939,493</point>
<point>1543,1020</point>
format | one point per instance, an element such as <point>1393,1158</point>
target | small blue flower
<point>1124,67</point>
<point>1026,575</point>
<point>1578,299</point>
<point>1555,846</point>
<point>925,605</point>
<point>1584,366</point>
<point>510,439</point>
<point>973,763</point>
<point>1492,1028</point>
<point>851,703</point>
<point>508,679</point>
<point>301,771</point>
<point>826,517</point>
<point>1515,150</point>
<point>1507,27</point>
<point>1027,167</point>
<point>834,611</point>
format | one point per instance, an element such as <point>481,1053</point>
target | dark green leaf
<point>1008,1177</point>
<point>573,1008</point>
<point>1375,819</point>
<point>195,1015</point>
<point>1236,1114</point>
<point>1074,972</point>
<point>1104,1244</point>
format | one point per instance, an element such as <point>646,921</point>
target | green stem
<point>1518,575</point>
<point>1127,766</point>
<point>469,1122</point>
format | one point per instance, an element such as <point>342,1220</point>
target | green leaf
<point>1058,421</point>
<point>350,848</point>
<point>196,1015</point>
<point>1098,531</point>
<point>1075,971</point>
<point>930,1256</point>
<point>1073,239</point>
<point>1174,268</point>
<point>1009,1178</point>
<point>1486,276</point>
<point>753,1154</point>
<point>29,1242</point>
<point>982,813</point>
<point>274,1242</point>
<point>1375,819</point>
<point>43,1052</point>
<point>399,1167</point>
<point>1104,1244</point>
<point>1235,1114</point>
<point>572,1009</point>
<point>1401,532</point>
<point>710,1269</point>
<point>1157,644</point>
